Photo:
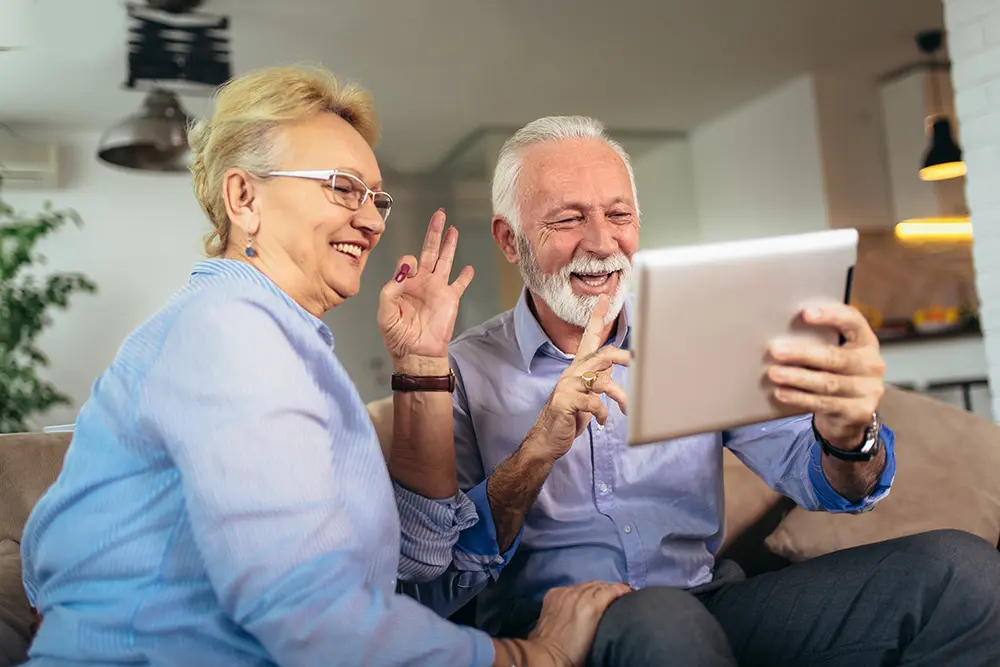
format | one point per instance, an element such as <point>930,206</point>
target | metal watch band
<point>870,446</point>
<point>403,382</point>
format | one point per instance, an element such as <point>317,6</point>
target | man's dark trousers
<point>928,600</point>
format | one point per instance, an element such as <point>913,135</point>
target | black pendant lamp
<point>943,159</point>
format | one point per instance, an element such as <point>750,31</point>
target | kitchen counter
<point>911,335</point>
<point>924,360</point>
<point>950,366</point>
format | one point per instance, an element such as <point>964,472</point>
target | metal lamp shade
<point>943,160</point>
<point>155,139</point>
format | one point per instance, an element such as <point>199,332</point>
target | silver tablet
<point>705,316</point>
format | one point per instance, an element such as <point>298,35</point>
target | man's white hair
<point>555,289</point>
<point>506,201</point>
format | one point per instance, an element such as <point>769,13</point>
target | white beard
<point>556,290</point>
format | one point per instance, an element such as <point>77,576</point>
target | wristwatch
<point>870,444</point>
<point>403,382</point>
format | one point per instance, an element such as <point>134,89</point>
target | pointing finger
<point>605,358</point>
<point>591,340</point>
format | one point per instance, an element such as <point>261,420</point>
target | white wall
<point>974,46</point>
<point>758,169</point>
<point>143,233</point>
<point>141,236</point>
<point>664,178</point>
<point>852,139</point>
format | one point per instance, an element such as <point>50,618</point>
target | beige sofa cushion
<point>947,476</point>
<point>381,413</point>
<point>748,499</point>
<point>29,464</point>
<point>16,618</point>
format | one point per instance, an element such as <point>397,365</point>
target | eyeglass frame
<point>329,175</point>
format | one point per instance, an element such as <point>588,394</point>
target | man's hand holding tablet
<point>841,385</point>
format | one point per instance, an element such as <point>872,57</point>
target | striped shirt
<point>225,502</point>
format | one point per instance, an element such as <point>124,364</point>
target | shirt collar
<point>237,270</point>
<point>531,337</point>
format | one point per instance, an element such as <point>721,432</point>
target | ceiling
<point>440,69</point>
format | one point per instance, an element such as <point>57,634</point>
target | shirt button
<point>603,487</point>
<point>627,529</point>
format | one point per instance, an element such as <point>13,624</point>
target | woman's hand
<point>418,307</point>
<point>566,627</point>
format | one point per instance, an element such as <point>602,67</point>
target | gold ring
<point>589,378</point>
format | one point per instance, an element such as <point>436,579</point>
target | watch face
<point>872,434</point>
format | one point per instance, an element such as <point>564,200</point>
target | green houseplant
<point>26,299</point>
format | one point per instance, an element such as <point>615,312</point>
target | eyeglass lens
<point>350,193</point>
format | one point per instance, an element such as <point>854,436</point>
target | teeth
<point>594,281</point>
<point>349,248</point>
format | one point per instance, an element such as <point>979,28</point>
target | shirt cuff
<point>831,501</point>
<point>477,547</point>
<point>485,652</point>
<point>429,529</point>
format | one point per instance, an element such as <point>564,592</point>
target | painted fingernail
<point>403,270</point>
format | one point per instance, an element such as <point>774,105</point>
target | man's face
<point>579,227</point>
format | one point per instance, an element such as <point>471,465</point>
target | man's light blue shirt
<point>224,501</point>
<point>647,516</point>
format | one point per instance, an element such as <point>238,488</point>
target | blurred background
<point>743,119</point>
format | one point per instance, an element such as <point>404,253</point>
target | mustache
<point>594,265</point>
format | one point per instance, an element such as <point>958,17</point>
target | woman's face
<point>312,247</point>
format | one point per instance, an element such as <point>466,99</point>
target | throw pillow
<point>946,477</point>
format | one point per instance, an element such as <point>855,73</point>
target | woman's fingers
<point>432,240</point>
<point>387,306</point>
<point>464,279</point>
<point>447,254</point>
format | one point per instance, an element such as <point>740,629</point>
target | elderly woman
<point>225,500</point>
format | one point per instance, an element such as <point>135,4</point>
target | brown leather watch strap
<point>403,382</point>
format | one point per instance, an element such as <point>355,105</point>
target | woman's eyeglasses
<point>347,189</point>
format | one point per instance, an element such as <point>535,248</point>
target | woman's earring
<point>250,252</point>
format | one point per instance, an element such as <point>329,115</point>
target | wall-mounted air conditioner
<point>28,164</point>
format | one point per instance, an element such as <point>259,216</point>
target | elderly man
<point>576,502</point>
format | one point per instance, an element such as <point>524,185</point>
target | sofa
<point>948,476</point>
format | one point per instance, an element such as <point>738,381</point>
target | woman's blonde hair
<point>242,131</point>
